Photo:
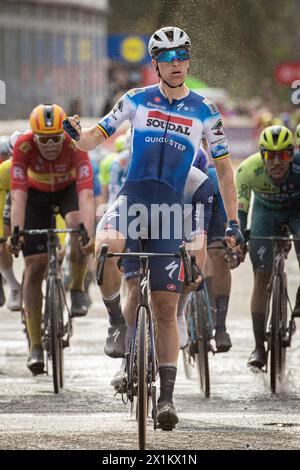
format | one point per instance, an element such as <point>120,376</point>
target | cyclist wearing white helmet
<point>168,121</point>
<point>7,143</point>
<point>165,46</point>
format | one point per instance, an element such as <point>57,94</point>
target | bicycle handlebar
<point>191,271</point>
<point>17,233</point>
<point>276,238</point>
<point>15,238</point>
<point>83,233</point>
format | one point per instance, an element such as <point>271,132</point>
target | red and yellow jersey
<point>30,170</point>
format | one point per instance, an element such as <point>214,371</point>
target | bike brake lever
<point>83,233</point>
<point>15,238</point>
<point>101,262</point>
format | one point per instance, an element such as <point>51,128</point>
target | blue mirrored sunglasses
<point>169,56</point>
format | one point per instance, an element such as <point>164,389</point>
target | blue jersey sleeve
<point>124,109</point>
<point>204,197</point>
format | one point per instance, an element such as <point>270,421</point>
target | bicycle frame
<point>278,271</point>
<point>143,301</point>
<point>55,329</point>
<point>134,374</point>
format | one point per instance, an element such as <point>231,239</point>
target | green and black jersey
<point>252,176</point>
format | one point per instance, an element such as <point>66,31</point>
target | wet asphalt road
<point>241,413</point>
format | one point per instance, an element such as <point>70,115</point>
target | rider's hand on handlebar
<point>233,235</point>
<point>240,252</point>
<point>192,286</point>
<point>89,247</point>
<point>234,259</point>
<point>15,249</point>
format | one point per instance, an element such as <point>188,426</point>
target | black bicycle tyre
<point>142,349</point>
<point>55,337</point>
<point>283,330</point>
<point>275,341</point>
<point>201,329</point>
<point>61,334</point>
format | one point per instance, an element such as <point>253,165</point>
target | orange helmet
<point>47,119</point>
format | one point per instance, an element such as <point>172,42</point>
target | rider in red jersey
<point>48,170</point>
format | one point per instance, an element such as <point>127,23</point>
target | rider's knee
<point>261,277</point>
<point>72,219</point>
<point>113,239</point>
<point>165,309</point>
<point>132,289</point>
<point>35,267</point>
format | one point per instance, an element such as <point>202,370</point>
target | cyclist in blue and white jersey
<point>168,121</point>
<point>217,272</point>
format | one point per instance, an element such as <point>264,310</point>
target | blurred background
<point>83,54</point>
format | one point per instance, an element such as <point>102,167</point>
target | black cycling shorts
<point>38,214</point>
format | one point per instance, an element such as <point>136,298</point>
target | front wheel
<point>142,355</point>
<point>275,333</point>
<point>201,330</point>
<point>54,307</point>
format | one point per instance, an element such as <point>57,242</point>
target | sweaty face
<point>50,147</point>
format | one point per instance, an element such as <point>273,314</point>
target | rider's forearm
<point>87,209</point>
<point>198,248</point>
<point>201,256</point>
<point>19,200</point>
<point>227,187</point>
<point>90,138</point>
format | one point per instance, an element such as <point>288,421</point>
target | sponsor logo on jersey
<point>171,287</point>
<point>261,252</point>
<point>172,123</point>
<point>118,108</point>
<point>165,140</point>
<point>157,106</point>
<point>25,147</point>
<point>157,99</point>
<point>218,128</point>
<point>212,107</point>
<point>171,267</point>
<point>108,226</point>
<point>18,173</point>
<point>219,141</point>
<point>84,172</point>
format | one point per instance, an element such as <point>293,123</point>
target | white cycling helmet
<point>169,37</point>
<point>14,137</point>
<point>4,146</point>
